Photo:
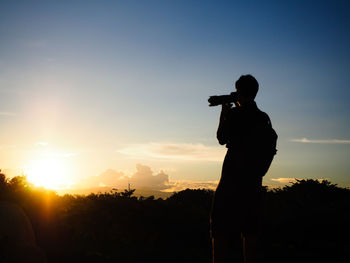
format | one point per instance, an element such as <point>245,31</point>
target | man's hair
<point>248,86</point>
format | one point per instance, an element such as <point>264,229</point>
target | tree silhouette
<point>306,221</point>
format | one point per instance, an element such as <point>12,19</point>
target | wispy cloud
<point>328,141</point>
<point>42,144</point>
<point>174,151</point>
<point>184,184</point>
<point>7,113</point>
<point>284,180</point>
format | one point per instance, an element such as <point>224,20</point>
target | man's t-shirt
<point>250,138</point>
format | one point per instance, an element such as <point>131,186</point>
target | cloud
<point>184,184</point>
<point>144,177</point>
<point>284,180</point>
<point>328,141</point>
<point>7,113</point>
<point>174,151</point>
<point>108,178</point>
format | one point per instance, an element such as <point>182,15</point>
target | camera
<point>222,99</point>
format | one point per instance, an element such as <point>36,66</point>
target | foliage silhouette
<point>306,221</point>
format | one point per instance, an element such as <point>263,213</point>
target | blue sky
<point>115,83</point>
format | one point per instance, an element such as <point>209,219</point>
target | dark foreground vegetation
<point>305,222</point>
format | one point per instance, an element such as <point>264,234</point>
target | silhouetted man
<point>251,143</point>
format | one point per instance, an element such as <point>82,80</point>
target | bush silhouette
<point>306,221</point>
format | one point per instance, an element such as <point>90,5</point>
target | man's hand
<point>226,107</point>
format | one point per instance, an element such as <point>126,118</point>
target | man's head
<point>247,87</point>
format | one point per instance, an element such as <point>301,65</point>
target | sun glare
<point>48,173</point>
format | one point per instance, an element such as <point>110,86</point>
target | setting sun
<point>48,173</point>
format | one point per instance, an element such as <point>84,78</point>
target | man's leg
<point>227,248</point>
<point>220,246</point>
<point>249,247</point>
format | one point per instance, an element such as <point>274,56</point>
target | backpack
<point>271,137</point>
<point>268,143</point>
